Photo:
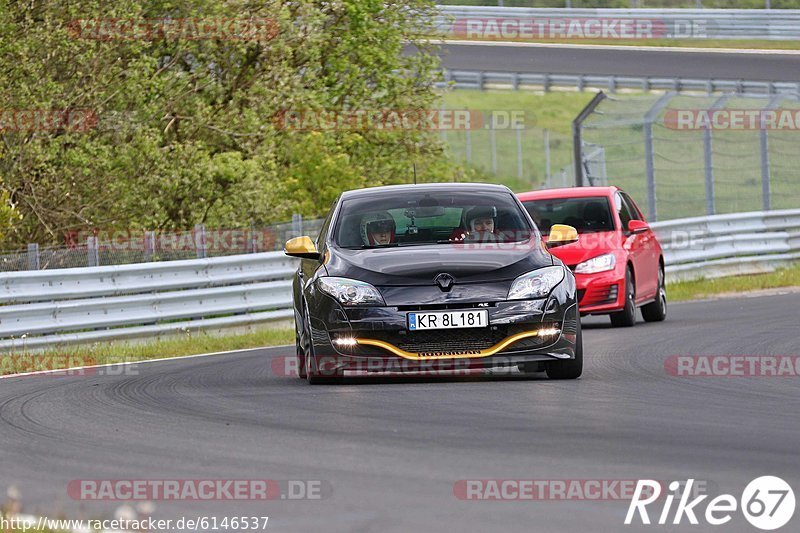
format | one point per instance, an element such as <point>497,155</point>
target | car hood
<point>419,265</point>
<point>589,245</point>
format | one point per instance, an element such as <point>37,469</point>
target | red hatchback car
<point>618,262</point>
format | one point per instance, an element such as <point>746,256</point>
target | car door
<point>648,256</point>
<point>633,244</point>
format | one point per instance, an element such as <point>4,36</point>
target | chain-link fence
<point>521,158</point>
<point>120,247</point>
<point>681,155</point>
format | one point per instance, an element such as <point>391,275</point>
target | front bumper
<point>376,339</point>
<point>601,293</point>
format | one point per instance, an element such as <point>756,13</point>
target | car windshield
<point>584,214</point>
<point>436,217</point>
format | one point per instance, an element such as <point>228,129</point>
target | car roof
<point>568,192</point>
<point>421,187</point>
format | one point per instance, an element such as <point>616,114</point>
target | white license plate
<point>448,320</point>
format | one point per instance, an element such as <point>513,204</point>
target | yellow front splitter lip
<point>452,354</point>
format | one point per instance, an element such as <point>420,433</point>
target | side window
<point>634,211</point>
<point>325,225</point>
<point>622,209</point>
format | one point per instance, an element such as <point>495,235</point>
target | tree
<point>179,131</point>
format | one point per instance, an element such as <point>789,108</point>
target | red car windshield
<point>587,215</point>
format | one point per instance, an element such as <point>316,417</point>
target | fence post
<point>493,143</point>
<point>200,240</point>
<point>469,145</point>
<point>711,207</point>
<point>92,252</point>
<point>649,154</point>
<point>519,152</point>
<point>297,225</point>
<point>766,178</point>
<point>253,241</point>
<point>547,155</point>
<point>577,142</point>
<point>33,256</point>
<point>149,245</point>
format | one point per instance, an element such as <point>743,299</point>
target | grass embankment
<point>704,288</point>
<point>121,352</point>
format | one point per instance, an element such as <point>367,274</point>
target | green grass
<point>120,352</point>
<point>553,111</point>
<point>704,288</point>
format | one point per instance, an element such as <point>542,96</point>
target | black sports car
<point>434,277</point>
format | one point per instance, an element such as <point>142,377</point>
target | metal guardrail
<point>465,79</point>
<point>80,305</point>
<point>732,244</point>
<point>148,299</point>
<point>774,25</point>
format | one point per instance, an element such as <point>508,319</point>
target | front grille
<point>443,340</point>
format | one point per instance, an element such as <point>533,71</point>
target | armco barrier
<point>76,305</point>
<point>79,305</point>
<point>777,25</point>
<point>724,245</point>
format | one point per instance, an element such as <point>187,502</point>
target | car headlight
<point>350,291</point>
<point>601,263</point>
<point>536,284</point>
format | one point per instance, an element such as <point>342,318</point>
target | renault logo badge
<point>445,282</point>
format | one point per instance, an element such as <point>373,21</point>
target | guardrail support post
<point>200,240</point>
<point>33,256</point>
<point>92,252</point>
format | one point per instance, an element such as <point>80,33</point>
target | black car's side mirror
<point>302,247</point>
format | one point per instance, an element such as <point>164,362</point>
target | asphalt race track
<point>391,451</point>
<point>555,59</point>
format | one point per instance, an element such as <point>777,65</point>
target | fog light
<point>549,332</point>
<point>345,341</point>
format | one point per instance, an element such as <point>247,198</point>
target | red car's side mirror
<point>638,226</point>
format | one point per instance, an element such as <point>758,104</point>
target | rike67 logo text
<point>767,502</point>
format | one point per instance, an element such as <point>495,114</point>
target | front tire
<point>569,368</point>
<point>301,359</point>
<point>657,311</point>
<point>627,317</point>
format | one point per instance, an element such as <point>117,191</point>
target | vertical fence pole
<point>200,240</point>
<point>149,245</point>
<point>33,256</point>
<point>708,157</point>
<point>649,154</point>
<point>577,141</point>
<point>766,178</point>
<point>253,241</point>
<point>547,155</point>
<point>92,252</point>
<point>469,145</point>
<point>519,152</point>
<point>297,225</point>
<point>493,143</point>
